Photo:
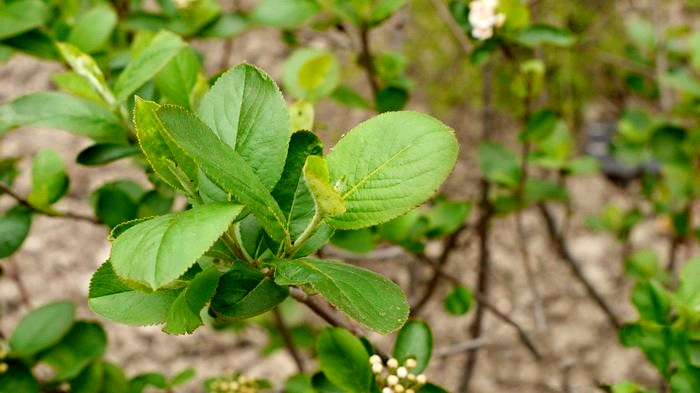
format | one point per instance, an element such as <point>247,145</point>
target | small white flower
<point>421,379</point>
<point>387,390</point>
<point>392,380</point>
<point>377,368</point>
<point>483,18</point>
<point>392,363</point>
<point>401,372</point>
<point>410,363</point>
<point>399,389</point>
<point>374,359</point>
<point>183,3</point>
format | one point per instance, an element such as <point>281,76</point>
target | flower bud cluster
<point>235,384</point>
<point>394,377</point>
<point>484,19</point>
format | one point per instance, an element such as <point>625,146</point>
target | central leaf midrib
<point>371,174</point>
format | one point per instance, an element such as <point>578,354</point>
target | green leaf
<point>20,16</point>
<point>459,301</point>
<point>14,228</point>
<point>311,74</point>
<point>499,165</point>
<point>114,380</point>
<point>643,34</point>
<point>104,153</point>
<point>349,97</point>
<point>652,301</point>
<point>65,112</point>
<point>87,69</point>
<point>183,316</point>
<point>445,217</point>
<point>35,43</point>
<point>90,380</point>
<point>391,98</point>
<point>301,114</point>
<point>291,192</point>
<point>540,125</point>
<point>112,299</point>
<point>583,166</point>
<point>84,343</point>
<point>247,111</point>
<point>689,289</point>
<point>163,48</point>
<point>167,159</point>
<point>431,388</point>
<point>383,9</point>
<point>18,379</point>
<point>225,167</point>
<point>537,190</point>
<point>538,34</point>
<point>327,200</point>
<point>683,81</point>
<point>321,384</point>
<point>414,341</point>
<point>359,241</point>
<point>158,251</point>
<point>643,264</point>
<point>49,178</point>
<point>300,383</point>
<point>244,292</point>
<point>116,202</point>
<point>343,360</point>
<point>42,328</point>
<point>367,297</point>
<point>177,80</point>
<point>93,28</point>
<point>388,165</point>
<point>284,14</point>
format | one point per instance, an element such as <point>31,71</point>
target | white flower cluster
<point>239,384</point>
<point>395,378</point>
<point>484,19</point>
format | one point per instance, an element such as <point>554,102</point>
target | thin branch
<point>456,31</point>
<point>449,246</point>
<point>4,188</point>
<point>367,60</point>
<point>288,341</point>
<point>482,229</point>
<point>456,349</point>
<point>565,254</point>
<point>483,301</point>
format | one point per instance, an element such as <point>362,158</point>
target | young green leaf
<point>112,299</point>
<point>459,301</point>
<point>104,153</point>
<point>225,167</point>
<point>301,114</point>
<point>343,360</point>
<point>158,251</point>
<point>383,9</point>
<point>14,228</point>
<point>183,316</point>
<point>499,165</point>
<point>542,34</point>
<point>414,341</point>
<point>349,97</point>
<point>86,67</point>
<point>688,292</point>
<point>42,328</point>
<point>49,179</point>
<point>19,16</point>
<point>284,14</point>
<point>167,159</point>
<point>85,342</point>
<point>327,200</point>
<point>93,28</point>
<point>247,111</point>
<point>540,125</point>
<point>244,292</point>
<point>164,46</point>
<point>367,297</point>
<point>445,217</point>
<point>177,80</point>
<point>311,74</point>
<point>65,112</point>
<point>388,165</point>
